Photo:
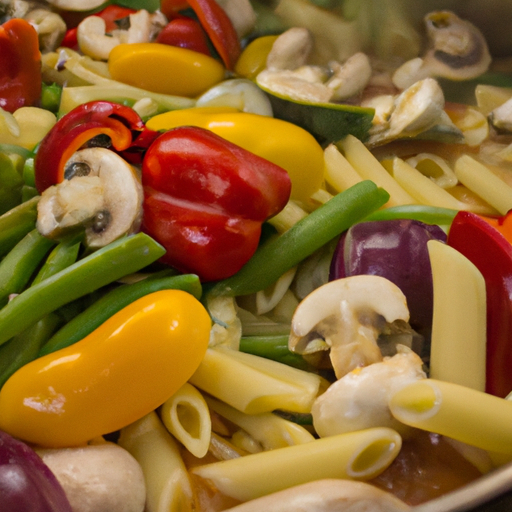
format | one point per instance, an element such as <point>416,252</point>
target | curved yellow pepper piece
<point>120,372</point>
<point>281,142</point>
<point>254,58</point>
<point>164,69</point>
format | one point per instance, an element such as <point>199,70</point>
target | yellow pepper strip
<point>164,69</point>
<point>283,143</point>
<point>254,58</point>
<point>124,369</point>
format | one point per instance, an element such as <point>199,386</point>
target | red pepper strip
<point>185,33</point>
<point>112,13</point>
<point>172,7</point>
<point>70,38</point>
<point>491,253</point>
<point>220,30</point>
<point>20,65</point>
<point>75,129</point>
<point>502,224</point>
<point>206,198</point>
<point>135,153</point>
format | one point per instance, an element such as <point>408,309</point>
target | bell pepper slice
<point>491,253</point>
<point>185,33</point>
<point>75,129</point>
<point>20,65</point>
<point>206,198</point>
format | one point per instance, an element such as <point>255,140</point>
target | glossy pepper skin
<point>206,198</point>
<point>491,253</point>
<point>75,129</point>
<point>20,65</point>
<point>120,372</point>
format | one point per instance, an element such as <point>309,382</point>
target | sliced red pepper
<point>185,33</point>
<point>20,65</point>
<point>206,198</point>
<point>70,38</point>
<point>491,253</point>
<point>75,129</point>
<point>172,7</point>
<point>219,28</point>
<point>502,224</point>
<point>113,13</point>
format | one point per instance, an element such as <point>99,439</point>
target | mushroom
<point>457,50</point>
<point>98,477</point>
<point>76,5</point>
<point>346,316</point>
<point>351,77</point>
<point>94,42</point>
<point>241,13</point>
<point>101,193</point>
<point>50,28</point>
<point>359,400</point>
<point>290,50</point>
<point>501,117</point>
<point>329,495</point>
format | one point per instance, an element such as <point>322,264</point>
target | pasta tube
<point>267,428</point>
<point>459,327</point>
<point>470,416</point>
<point>358,455</point>
<point>168,487</point>
<point>253,384</point>
<point>187,418</point>
<point>339,174</point>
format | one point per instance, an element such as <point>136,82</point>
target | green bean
<point>16,223</point>
<point>115,260</point>
<point>275,348</point>
<point>426,214</point>
<point>17,267</point>
<point>23,348</point>
<point>112,302</point>
<point>284,252</point>
<point>61,257</point>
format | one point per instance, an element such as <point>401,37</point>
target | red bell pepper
<point>185,33</point>
<point>206,198</point>
<point>75,129</point>
<point>20,65</point>
<point>491,253</point>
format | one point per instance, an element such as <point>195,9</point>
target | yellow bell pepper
<point>164,69</point>
<point>254,58</point>
<point>120,372</point>
<point>281,142</point>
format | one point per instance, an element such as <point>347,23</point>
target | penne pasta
<point>358,455</point>
<point>168,488</point>
<point>369,168</point>
<point>338,172</point>
<point>254,384</point>
<point>424,190</point>
<point>459,326</point>
<point>464,414</point>
<point>435,168</point>
<point>187,417</point>
<point>480,180</point>
<point>269,430</point>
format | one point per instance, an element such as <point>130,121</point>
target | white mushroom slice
<point>501,117</point>
<point>76,5</point>
<point>106,199</point>
<point>241,14</point>
<point>290,50</point>
<point>326,496</point>
<point>359,400</point>
<point>98,478</point>
<point>351,77</point>
<point>50,28</point>
<point>293,86</point>
<point>383,105</point>
<point>346,316</point>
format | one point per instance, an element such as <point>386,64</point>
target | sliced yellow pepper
<point>254,58</point>
<point>164,69</point>
<point>281,142</point>
<point>120,372</point>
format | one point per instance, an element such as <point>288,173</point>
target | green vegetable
<point>426,214</point>
<point>50,97</point>
<point>149,5</point>
<point>122,257</point>
<point>29,172</point>
<point>62,256</point>
<point>24,347</point>
<point>328,122</point>
<point>11,180</point>
<point>115,300</point>
<point>282,253</point>
<point>16,223</point>
<point>17,267</point>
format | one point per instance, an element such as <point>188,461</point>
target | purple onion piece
<point>397,250</point>
<point>26,482</point>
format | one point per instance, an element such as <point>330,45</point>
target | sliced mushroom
<point>346,316</point>
<point>457,50</point>
<point>351,77</point>
<point>501,117</point>
<point>359,400</point>
<point>50,28</point>
<point>101,194</point>
<point>290,50</point>
<point>241,13</point>
<point>76,5</point>
<point>94,42</point>
<point>326,496</point>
